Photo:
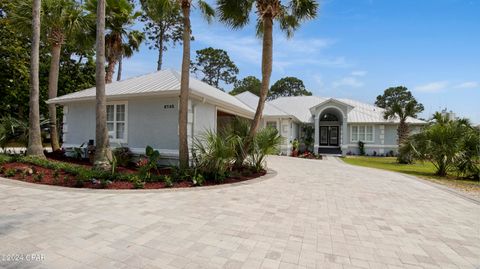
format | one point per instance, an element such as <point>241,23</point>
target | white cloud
<point>359,73</point>
<point>468,85</point>
<point>432,87</point>
<point>348,82</point>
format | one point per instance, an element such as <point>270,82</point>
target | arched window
<point>328,117</point>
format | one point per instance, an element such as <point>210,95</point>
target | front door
<point>329,135</point>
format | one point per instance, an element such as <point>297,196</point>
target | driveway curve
<point>312,214</point>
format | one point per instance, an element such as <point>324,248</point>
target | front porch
<point>330,120</point>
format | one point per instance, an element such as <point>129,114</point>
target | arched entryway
<point>330,128</point>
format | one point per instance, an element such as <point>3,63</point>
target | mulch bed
<point>31,172</point>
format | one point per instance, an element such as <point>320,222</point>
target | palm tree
<point>399,103</point>
<point>134,40</point>
<point>237,14</point>
<point>119,17</point>
<point>402,111</point>
<point>208,12</point>
<point>35,147</point>
<point>102,150</point>
<point>61,19</point>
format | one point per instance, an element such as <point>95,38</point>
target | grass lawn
<point>425,170</point>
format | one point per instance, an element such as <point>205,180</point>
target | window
<point>117,122</point>
<point>364,133</point>
<point>272,124</point>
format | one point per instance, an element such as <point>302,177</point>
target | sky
<point>356,49</point>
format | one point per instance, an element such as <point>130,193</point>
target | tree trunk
<point>52,93</point>
<point>102,149</point>
<point>402,131</point>
<point>160,51</point>
<point>35,147</point>
<point>184,88</point>
<point>119,71</point>
<point>266,74</point>
<point>112,61</point>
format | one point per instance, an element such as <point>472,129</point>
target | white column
<point>382,138</point>
<point>344,137</point>
<point>316,134</point>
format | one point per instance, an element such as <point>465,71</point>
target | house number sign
<point>168,106</point>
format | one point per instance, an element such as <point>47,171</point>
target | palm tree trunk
<point>112,61</point>
<point>35,147</point>
<point>266,74</point>
<point>102,150</point>
<point>160,52</point>
<point>119,71</point>
<point>184,87</point>
<point>402,131</point>
<point>52,93</point>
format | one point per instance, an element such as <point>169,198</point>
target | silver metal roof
<point>164,82</point>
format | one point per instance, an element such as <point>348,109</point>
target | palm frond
<point>235,14</point>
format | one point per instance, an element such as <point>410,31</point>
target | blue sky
<point>358,48</point>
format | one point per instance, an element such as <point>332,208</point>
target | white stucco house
<point>143,111</point>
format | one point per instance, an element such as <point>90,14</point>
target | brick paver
<point>312,214</point>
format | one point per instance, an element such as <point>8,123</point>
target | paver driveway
<point>313,214</point>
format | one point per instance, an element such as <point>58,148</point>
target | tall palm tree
<point>62,18</point>
<point>208,12</point>
<point>102,150</point>
<point>35,147</point>
<point>120,16</point>
<point>134,40</point>
<point>289,16</point>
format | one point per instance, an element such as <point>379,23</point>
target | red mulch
<point>68,180</point>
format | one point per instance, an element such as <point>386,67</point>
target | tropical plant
<point>237,14</point>
<point>215,66</point>
<point>123,155</point>
<point>308,139</point>
<point>288,86</point>
<point>161,28</point>
<point>449,144</point>
<point>12,129</point>
<point>149,164</point>
<point>103,152</point>
<point>120,40</point>
<point>250,84</point>
<point>266,142</point>
<point>400,104</point>
<point>238,131</point>
<point>214,155</point>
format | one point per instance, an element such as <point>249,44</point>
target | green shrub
<point>361,148</point>
<point>10,172</point>
<point>168,181</point>
<point>198,180</point>
<point>149,164</point>
<point>266,141</point>
<point>138,183</point>
<point>214,154</point>
<point>38,177</point>
<point>123,155</point>
<point>450,145</point>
